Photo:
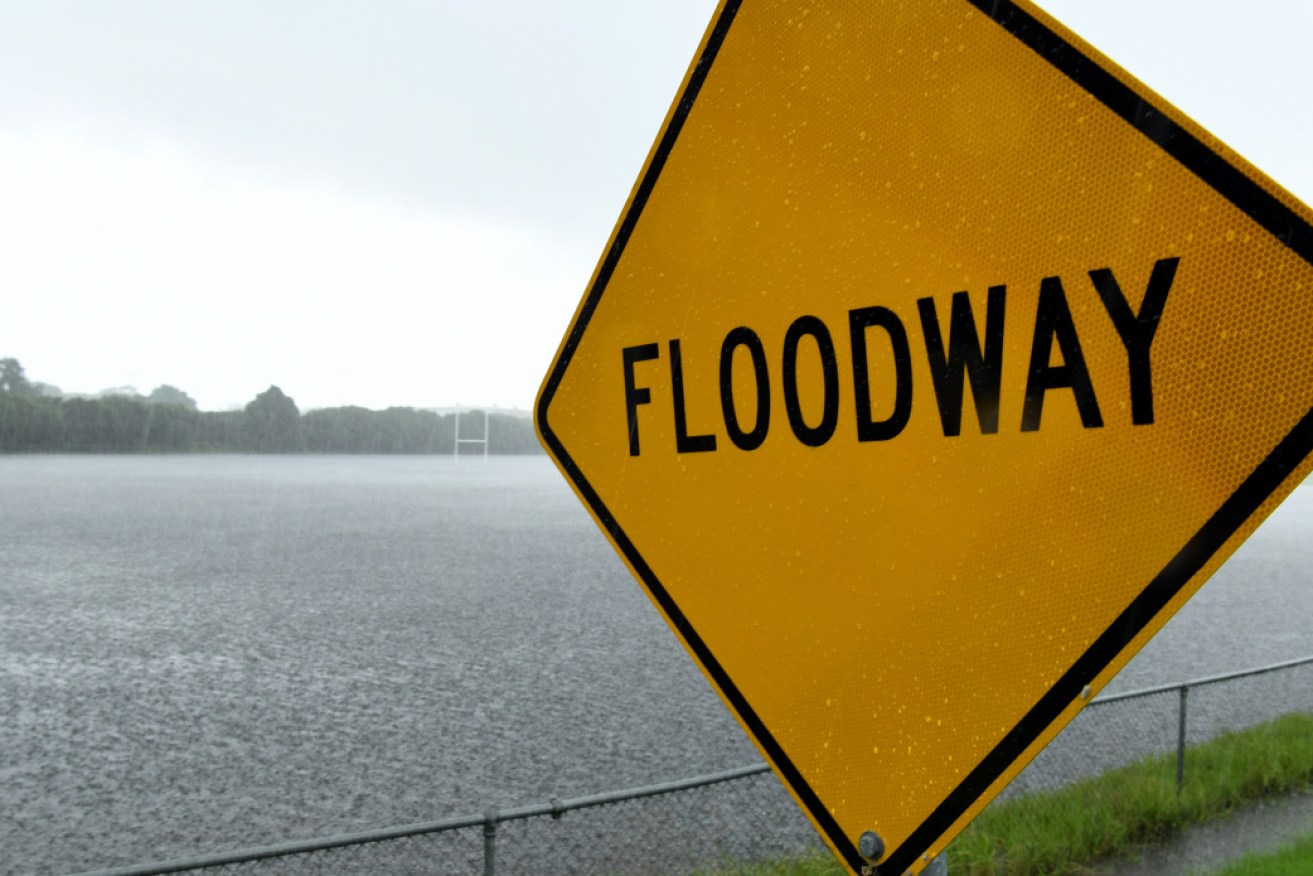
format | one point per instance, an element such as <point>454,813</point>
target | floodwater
<point>199,653</point>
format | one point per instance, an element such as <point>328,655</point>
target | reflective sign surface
<point>934,363</point>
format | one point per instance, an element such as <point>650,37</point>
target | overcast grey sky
<point>401,202</point>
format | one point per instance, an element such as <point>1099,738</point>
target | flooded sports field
<point>205,652</point>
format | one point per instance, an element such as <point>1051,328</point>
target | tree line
<point>36,418</point>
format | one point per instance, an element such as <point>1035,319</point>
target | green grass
<point>1295,859</point>
<point>1063,832</point>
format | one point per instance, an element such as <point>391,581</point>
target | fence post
<point>490,818</point>
<point>1180,738</point>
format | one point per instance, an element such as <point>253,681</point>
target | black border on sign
<point>1229,181</point>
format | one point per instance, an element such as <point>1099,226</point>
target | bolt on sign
<point>934,363</point>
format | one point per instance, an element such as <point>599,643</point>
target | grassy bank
<point>1064,831</point>
<point>1057,832</point>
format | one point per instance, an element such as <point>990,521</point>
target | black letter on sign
<point>985,370</point>
<point>1137,330</point>
<point>1053,320</point>
<point>858,322</point>
<point>810,325</point>
<point>634,396</point>
<point>684,443</point>
<point>744,337</point>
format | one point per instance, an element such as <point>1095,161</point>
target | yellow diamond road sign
<point>933,364</point>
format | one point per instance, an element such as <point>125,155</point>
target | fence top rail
<point>560,807</point>
<point>292,847</point>
<point>1199,682</point>
<point>300,847</point>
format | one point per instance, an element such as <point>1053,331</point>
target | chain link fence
<point>1119,728</point>
<point>710,823</point>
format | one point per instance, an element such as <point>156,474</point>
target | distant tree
<point>354,429</point>
<point>415,431</point>
<point>82,429</point>
<point>220,431</point>
<point>171,428</point>
<point>273,423</point>
<point>165,394</point>
<point>512,434</point>
<point>12,379</point>
<point>30,424</point>
<point>46,390</point>
<point>124,424</point>
<point>348,429</point>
